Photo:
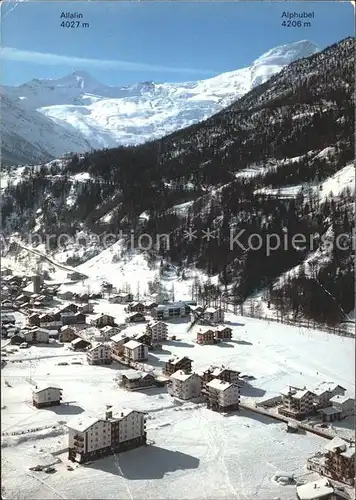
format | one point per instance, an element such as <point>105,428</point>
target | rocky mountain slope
<point>76,113</point>
<point>277,162</point>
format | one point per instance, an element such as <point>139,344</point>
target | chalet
<point>136,318</point>
<point>117,346</point>
<point>22,299</point>
<point>8,319</point>
<point>221,373</point>
<point>107,332</point>
<point>223,333</point>
<point>17,339</point>
<point>184,385</point>
<point>222,396</point>
<point>134,379</point>
<point>91,438</point>
<point>50,321</point>
<point>143,338</point>
<point>36,336</point>
<point>67,334</point>
<point>206,336</point>
<point>136,307</point>
<point>79,318</point>
<point>67,295</point>
<point>81,297</point>
<point>69,308</point>
<point>7,304</point>
<point>68,318</point>
<point>297,403</point>
<point>46,395</point>
<point>340,461</point>
<point>149,305</point>
<point>79,344</point>
<point>103,320</point>
<point>157,330</point>
<point>121,298</point>
<point>87,308</point>
<point>99,355</point>
<point>325,391</point>
<point>173,365</point>
<point>135,351</point>
<point>343,403</point>
<point>214,315</point>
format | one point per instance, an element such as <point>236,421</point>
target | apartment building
<point>175,364</point>
<point>135,351</point>
<point>221,373</point>
<point>46,395</point>
<point>340,461</point>
<point>325,391</point>
<point>157,330</point>
<point>171,310</point>
<point>206,336</point>
<point>91,438</point>
<point>214,315</point>
<point>184,386</point>
<point>99,355</point>
<point>222,396</point>
<point>117,345</point>
<point>343,403</point>
<point>297,403</point>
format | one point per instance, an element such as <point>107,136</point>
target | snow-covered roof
<point>327,386</point>
<point>178,360</point>
<point>220,385</point>
<point>180,375</point>
<point>119,336</point>
<point>78,340</point>
<point>315,490</point>
<point>82,423</point>
<point>44,387</point>
<point>329,410</point>
<point>211,310</point>
<point>133,344</point>
<point>135,375</point>
<point>301,393</point>
<point>336,443</point>
<point>340,399</point>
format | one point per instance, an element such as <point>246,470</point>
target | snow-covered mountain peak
<point>106,116</point>
<point>286,54</point>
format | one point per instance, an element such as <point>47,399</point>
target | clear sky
<point>128,42</point>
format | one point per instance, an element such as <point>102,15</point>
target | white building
<point>184,386</point>
<point>117,345</point>
<point>91,438</point>
<point>343,403</point>
<point>171,310</point>
<point>46,395</point>
<point>325,391</point>
<point>214,315</point>
<point>36,336</point>
<point>322,489</point>
<point>222,396</point>
<point>157,330</point>
<point>135,351</point>
<point>109,331</point>
<point>99,355</point>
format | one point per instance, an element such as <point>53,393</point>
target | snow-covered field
<point>196,453</point>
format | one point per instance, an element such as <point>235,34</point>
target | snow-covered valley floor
<point>195,453</point>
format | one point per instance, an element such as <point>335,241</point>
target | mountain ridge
<point>104,116</point>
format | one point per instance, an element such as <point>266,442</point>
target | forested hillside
<point>297,129</point>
